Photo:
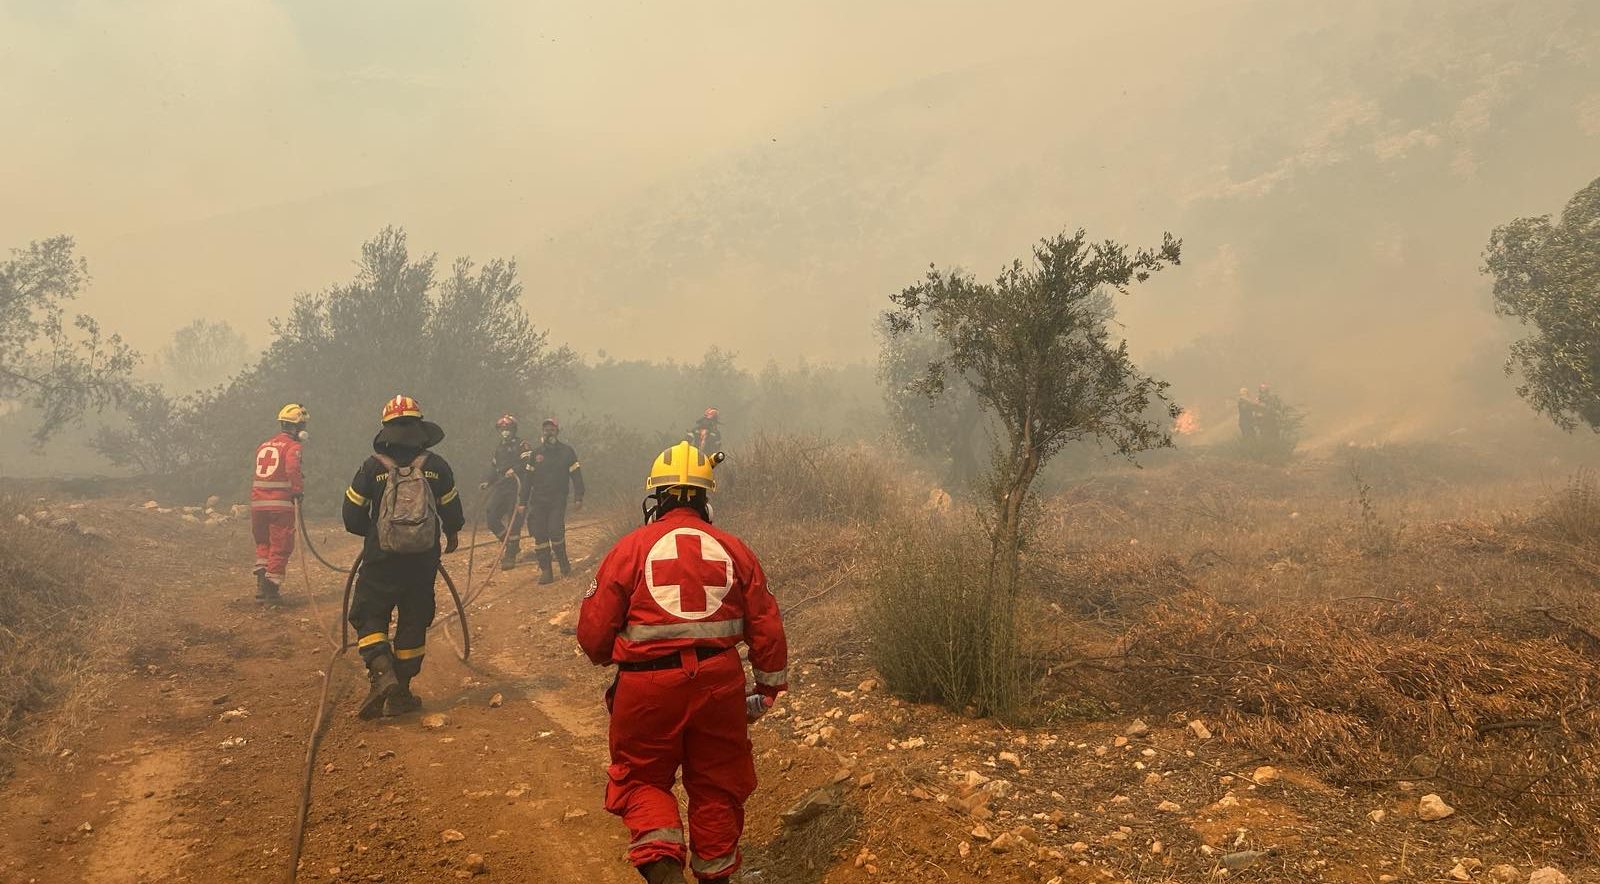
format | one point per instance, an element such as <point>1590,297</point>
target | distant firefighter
<point>1249,416</point>
<point>550,470</point>
<point>505,514</point>
<point>1270,410</point>
<point>276,487</point>
<point>706,434</point>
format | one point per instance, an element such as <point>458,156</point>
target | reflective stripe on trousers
<point>669,836</point>
<point>638,632</point>
<point>711,868</point>
<point>272,504</point>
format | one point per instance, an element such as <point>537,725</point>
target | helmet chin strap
<point>657,504</point>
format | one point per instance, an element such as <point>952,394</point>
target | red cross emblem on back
<point>267,460</point>
<point>689,573</point>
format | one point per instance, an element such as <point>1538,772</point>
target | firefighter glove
<point>451,542</point>
<point>756,706</point>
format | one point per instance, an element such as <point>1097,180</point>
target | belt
<point>670,661</point>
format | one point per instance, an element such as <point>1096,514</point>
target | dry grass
<point>48,635</point>
<point>1424,687</point>
<point>801,477</point>
<point>1371,632</point>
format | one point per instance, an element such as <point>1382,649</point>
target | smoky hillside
<point>1333,172</point>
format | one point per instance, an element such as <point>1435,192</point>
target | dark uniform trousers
<point>378,595</point>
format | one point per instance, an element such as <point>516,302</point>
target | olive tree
<point>1547,276</point>
<point>58,366</point>
<point>1036,349</point>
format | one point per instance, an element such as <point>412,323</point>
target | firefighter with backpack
<point>403,499</point>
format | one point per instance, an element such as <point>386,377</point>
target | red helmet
<point>711,413</point>
<point>551,422</point>
<point>506,422</point>
<point>401,406</point>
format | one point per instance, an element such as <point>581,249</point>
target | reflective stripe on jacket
<point>681,583</point>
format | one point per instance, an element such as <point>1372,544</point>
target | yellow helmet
<point>293,414</point>
<point>682,464</point>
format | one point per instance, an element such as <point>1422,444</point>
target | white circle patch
<point>266,461</point>
<point>688,573</point>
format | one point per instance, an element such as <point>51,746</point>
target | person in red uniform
<point>669,606</point>
<point>276,488</point>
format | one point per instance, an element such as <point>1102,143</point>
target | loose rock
<point>1432,808</point>
<point>433,720</point>
<point>811,806</point>
<point>450,836</point>
<point>1505,874</point>
<point>1548,875</point>
<point>1138,729</point>
<point>1199,729</point>
<point>1244,859</point>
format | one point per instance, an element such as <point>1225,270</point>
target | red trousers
<point>274,533</point>
<point>693,718</point>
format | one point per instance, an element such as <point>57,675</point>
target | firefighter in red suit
<point>276,487</point>
<point>669,606</point>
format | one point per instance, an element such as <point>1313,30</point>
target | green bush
<point>943,628</point>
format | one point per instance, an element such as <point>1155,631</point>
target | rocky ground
<point>192,771</point>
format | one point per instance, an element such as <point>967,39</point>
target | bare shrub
<point>805,477</point>
<point>942,630</point>
<point>45,640</point>
<point>1573,514</point>
<point>1369,690</point>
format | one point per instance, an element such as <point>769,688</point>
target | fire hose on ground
<point>344,644</point>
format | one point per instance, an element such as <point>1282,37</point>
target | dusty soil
<point>168,787</point>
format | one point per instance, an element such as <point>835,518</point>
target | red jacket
<point>680,583</point>
<point>277,478</point>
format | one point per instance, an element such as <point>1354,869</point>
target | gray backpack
<point>408,519</point>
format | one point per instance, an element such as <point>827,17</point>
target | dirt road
<point>194,771</point>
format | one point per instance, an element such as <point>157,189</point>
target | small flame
<point>1186,423</point>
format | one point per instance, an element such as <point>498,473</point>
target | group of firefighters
<point>668,606</point>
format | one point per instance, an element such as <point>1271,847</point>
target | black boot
<point>380,672</point>
<point>402,700</point>
<point>662,871</point>
<point>546,575</point>
<point>266,589</point>
<point>561,558</point>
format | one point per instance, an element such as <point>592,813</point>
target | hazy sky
<point>772,171</point>
<point>145,128</point>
